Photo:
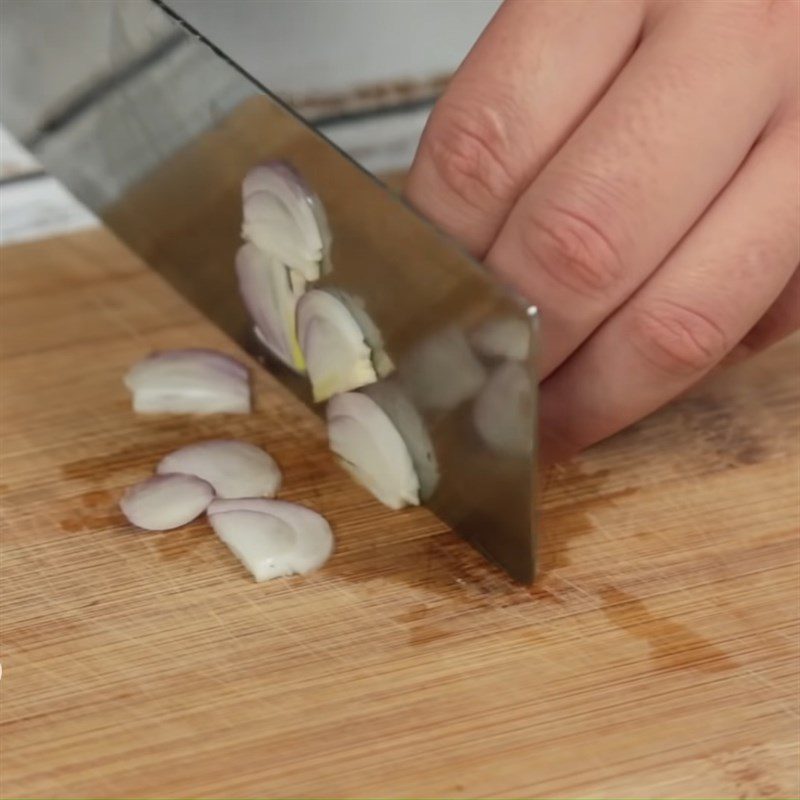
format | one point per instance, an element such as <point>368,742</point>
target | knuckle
<point>677,339</point>
<point>470,152</point>
<point>574,249</point>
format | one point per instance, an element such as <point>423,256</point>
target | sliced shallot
<point>411,427</point>
<point>166,501</point>
<point>234,469</point>
<point>189,381</point>
<point>441,372</point>
<point>503,411</point>
<point>381,360</point>
<point>284,218</point>
<point>313,538</point>
<point>270,292</point>
<point>260,541</point>
<point>337,354</point>
<point>141,372</point>
<point>371,449</point>
<point>507,338</point>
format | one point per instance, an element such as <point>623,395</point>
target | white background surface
<point>299,48</point>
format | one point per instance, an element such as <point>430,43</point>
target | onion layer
<point>381,361</point>
<point>411,427</point>
<point>270,292</point>
<point>337,354</point>
<point>189,358</point>
<point>189,381</point>
<point>284,218</point>
<point>371,449</point>
<point>260,541</point>
<point>234,469</point>
<point>166,501</point>
<point>313,538</point>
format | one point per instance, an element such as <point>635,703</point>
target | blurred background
<point>365,72</point>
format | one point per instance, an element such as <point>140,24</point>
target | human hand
<point>632,167</point>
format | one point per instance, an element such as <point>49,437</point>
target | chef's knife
<point>154,129</point>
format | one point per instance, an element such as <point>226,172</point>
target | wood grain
<point>656,657</point>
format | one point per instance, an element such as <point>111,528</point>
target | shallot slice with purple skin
<point>410,425</point>
<point>171,359</point>
<point>283,179</point>
<point>503,411</point>
<point>166,501</point>
<point>189,381</point>
<point>270,294</point>
<point>314,537</point>
<point>285,218</point>
<point>337,355</point>
<point>234,469</point>
<point>381,360</point>
<point>285,183</point>
<point>190,400</point>
<point>371,449</point>
<point>262,542</point>
<point>271,228</point>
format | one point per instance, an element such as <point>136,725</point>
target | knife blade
<point>154,132</point>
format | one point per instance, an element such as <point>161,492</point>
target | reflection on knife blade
<point>161,158</point>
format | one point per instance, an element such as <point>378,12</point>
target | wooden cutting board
<point>656,657</point>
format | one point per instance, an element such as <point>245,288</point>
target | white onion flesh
<point>441,372</point>
<point>166,501</point>
<point>371,449</point>
<point>260,541</point>
<point>381,360</point>
<point>282,181</point>
<point>503,411</point>
<point>506,338</point>
<point>234,469</point>
<point>189,381</point>
<point>270,293</point>
<point>272,232</point>
<point>284,218</point>
<point>411,427</point>
<point>141,373</point>
<point>189,401</point>
<point>313,538</point>
<point>337,356</point>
